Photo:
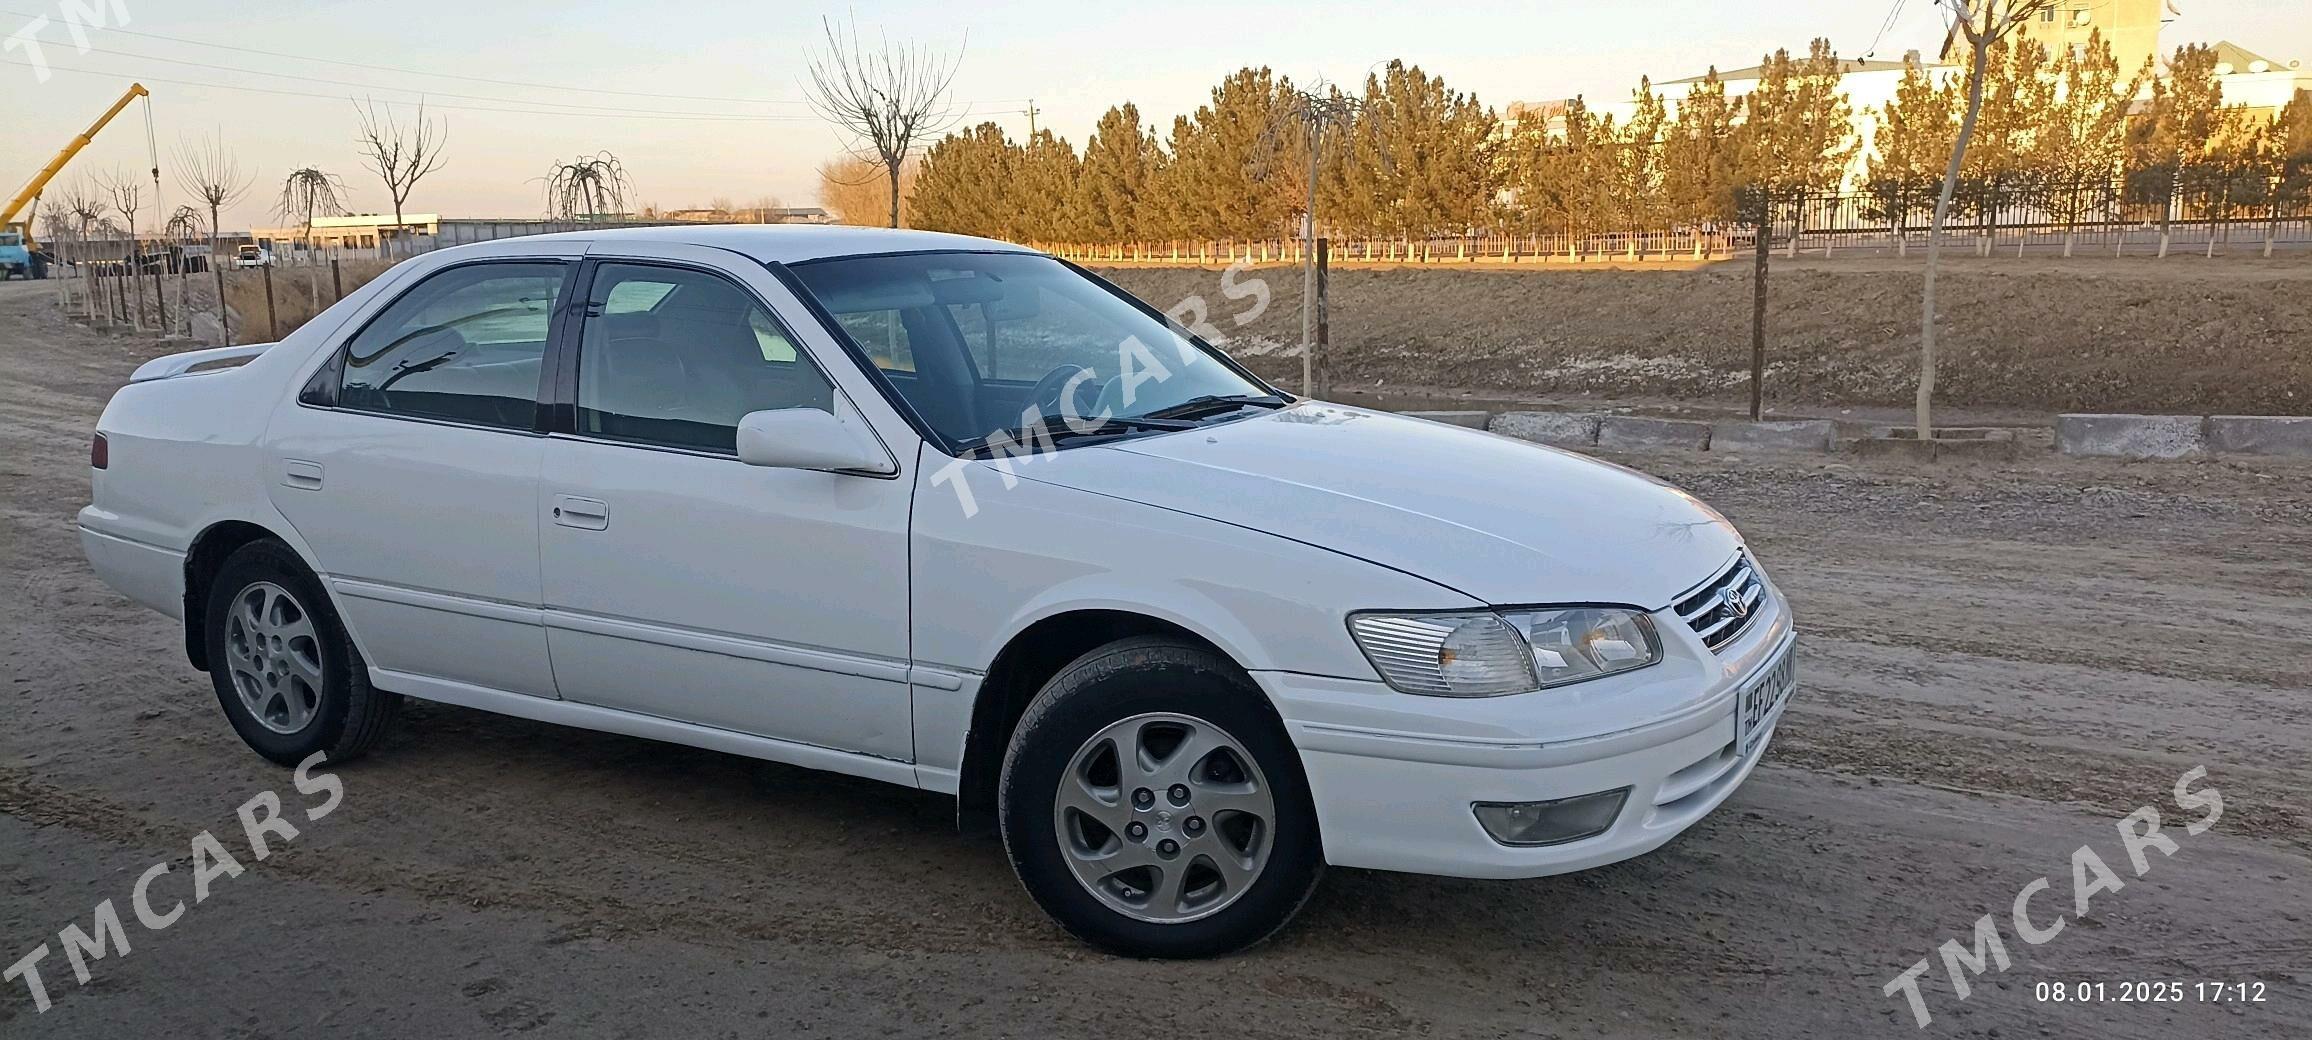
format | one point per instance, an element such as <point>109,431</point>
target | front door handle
<point>585,514</point>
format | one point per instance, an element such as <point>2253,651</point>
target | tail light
<point>99,452</point>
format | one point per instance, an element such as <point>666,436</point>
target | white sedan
<point>954,514</point>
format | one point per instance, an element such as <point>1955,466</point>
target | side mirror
<point>811,438</point>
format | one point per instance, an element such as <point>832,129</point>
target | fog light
<point>1552,822</point>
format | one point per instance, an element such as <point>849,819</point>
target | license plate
<point>1762,701</point>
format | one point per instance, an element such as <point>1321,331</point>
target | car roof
<point>795,243</point>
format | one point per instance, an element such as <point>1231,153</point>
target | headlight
<point>1571,644</point>
<point>1484,654</point>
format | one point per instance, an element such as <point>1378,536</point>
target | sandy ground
<point>1997,663</point>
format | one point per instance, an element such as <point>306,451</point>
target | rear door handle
<point>585,514</point>
<point>300,474</point>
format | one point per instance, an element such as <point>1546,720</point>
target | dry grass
<point>299,293</point>
<point>2181,335</point>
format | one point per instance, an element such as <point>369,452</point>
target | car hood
<point>1501,520</point>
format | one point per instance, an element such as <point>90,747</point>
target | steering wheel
<point>1047,394</point>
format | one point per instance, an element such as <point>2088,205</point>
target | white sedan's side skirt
<point>611,720</point>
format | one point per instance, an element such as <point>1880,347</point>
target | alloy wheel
<point>274,655</point>
<point>1165,818</point>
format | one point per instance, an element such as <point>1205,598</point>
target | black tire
<point>1119,681</point>
<point>348,716</point>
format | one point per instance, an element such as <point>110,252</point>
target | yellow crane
<point>21,230</point>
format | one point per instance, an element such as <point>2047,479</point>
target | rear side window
<point>676,357</point>
<point>468,344</point>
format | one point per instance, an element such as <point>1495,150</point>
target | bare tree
<point>400,155</point>
<point>184,224</point>
<point>308,193</point>
<point>127,193</point>
<point>590,186</point>
<point>83,206</point>
<point>1981,23</point>
<point>208,172</point>
<point>58,217</point>
<point>1319,108</point>
<point>890,101</point>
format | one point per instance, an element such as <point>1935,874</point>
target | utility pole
<point>1030,112</point>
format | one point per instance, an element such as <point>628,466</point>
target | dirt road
<point>1998,664</point>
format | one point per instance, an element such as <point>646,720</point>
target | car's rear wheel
<point>1153,805</point>
<point>285,672</point>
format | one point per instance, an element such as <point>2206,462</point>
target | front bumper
<point>1393,776</point>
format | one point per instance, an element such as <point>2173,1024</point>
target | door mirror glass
<point>810,438</point>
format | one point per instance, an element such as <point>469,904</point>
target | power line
<point>421,72</point>
<point>448,75</point>
<point>1892,16</point>
<point>410,90</point>
<point>594,114</point>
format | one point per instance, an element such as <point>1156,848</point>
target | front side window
<point>993,341</point>
<point>676,357</point>
<point>466,345</point>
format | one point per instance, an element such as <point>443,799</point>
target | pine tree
<point>1561,181</point>
<point>1912,145</point>
<point>2288,160</point>
<point>1420,159</point>
<point>961,186</point>
<point>1113,201</point>
<point>1044,173</point>
<point>2080,145</point>
<point>2167,145</point>
<point>1639,203</point>
<point>2018,101</point>
<point>1799,135</point>
<point>1232,169</point>
<point>1698,159</point>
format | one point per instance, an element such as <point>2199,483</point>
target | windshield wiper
<point>1058,429</point>
<point>1217,404</point>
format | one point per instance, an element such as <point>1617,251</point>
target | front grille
<point>1720,609</point>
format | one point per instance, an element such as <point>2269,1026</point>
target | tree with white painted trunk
<point>1980,23</point>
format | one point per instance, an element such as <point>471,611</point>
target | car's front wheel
<point>285,672</point>
<point>1153,805</point>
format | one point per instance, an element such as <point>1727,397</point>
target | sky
<point>702,99</point>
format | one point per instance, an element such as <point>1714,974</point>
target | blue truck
<point>17,258</point>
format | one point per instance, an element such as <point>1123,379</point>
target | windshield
<point>983,344</point>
